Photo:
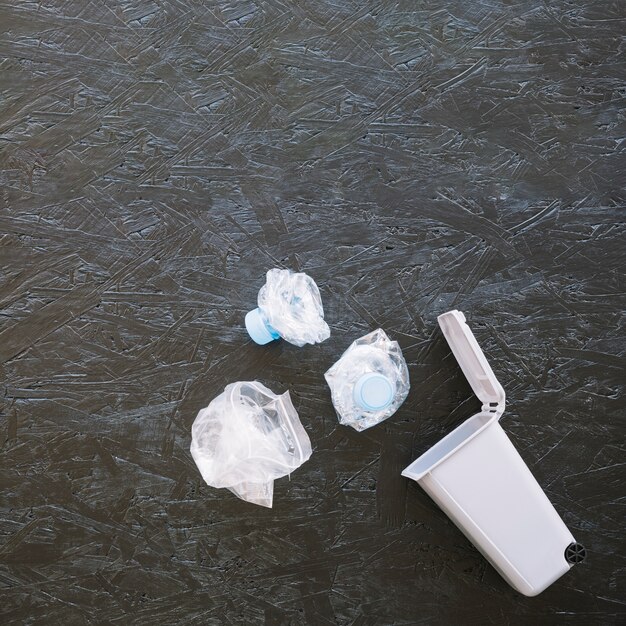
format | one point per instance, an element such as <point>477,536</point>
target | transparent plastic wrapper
<point>369,382</point>
<point>246,438</point>
<point>289,306</point>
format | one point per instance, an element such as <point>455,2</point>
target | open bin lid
<point>472,361</point>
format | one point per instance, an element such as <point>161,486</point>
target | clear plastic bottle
<point>289,306</point>
<point>246,438</point>
<point>369,382</point>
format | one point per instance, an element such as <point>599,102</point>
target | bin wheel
<point>575,553</point>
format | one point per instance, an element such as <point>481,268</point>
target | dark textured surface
<point>158,157</point>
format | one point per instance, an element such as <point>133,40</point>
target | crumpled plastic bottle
<point>289,306</point>
<point>246,438</point>
<point>369,382</point>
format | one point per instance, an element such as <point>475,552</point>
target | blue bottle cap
<point>373,392</point>
<point>260,331</point>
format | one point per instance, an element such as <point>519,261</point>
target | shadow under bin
<point>480,481</point>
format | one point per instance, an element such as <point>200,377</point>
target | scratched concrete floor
<point>157,156</point>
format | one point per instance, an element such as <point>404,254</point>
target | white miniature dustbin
<point>478,478</point>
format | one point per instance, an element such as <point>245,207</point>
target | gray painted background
<point>157,157</point>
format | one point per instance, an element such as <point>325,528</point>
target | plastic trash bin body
<point>487,490</point>
<point>480,481</point>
